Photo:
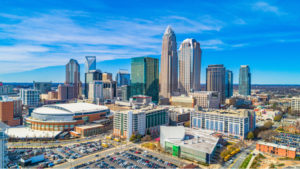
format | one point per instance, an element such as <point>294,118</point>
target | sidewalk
<point>252,159</point>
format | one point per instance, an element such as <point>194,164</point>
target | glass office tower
<point>245,80</point>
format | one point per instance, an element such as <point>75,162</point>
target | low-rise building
<point>87,130</point>
<point>276,149</point>
<point>178,116</point>
<point>235,123</point>
<point>207,99</point>
<point>182,101</point>
<point>139,121</point>
<point>188,143</point>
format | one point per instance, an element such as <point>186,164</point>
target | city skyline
<point>258,36</point>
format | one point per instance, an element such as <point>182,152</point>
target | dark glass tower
<point>229,83</point>
<point>245,80</point>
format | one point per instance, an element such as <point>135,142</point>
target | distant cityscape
<point>157,115</point>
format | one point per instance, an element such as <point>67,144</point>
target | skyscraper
<point>90,63</point>
<point>144,77</point>
<point>245,80</point>
<point>73,76</point>
<point>189,66</point>
<point>89,78</point>
<point>169,66</point>
<point>215,79</point>
<point>229,83</point>
<point>123,78</point>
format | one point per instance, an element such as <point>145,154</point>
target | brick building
<point>276,149</point>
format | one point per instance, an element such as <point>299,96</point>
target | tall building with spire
<point>245,80</point>
<point>73,76</point>
<point>169,65</point>
<point>189,66</point>
<point>215,79</point>
<point>90,63</point>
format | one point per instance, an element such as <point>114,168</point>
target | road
<point>243,156</point>
<point>92,157</point>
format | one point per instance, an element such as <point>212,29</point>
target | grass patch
<point>246,161</point>
<point>257,160</point>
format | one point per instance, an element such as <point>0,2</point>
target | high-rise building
<point>169,65</point>
<point>73,77</point>
<point>96,91</point>
<point>43,87</point>
<point>109,89</point>
<point>126,90</point>
<point>10,111</point>
<point>215,79</point>
<point>30,97</point>
<point>90,77</point>
<point>229,122</point>
<point>295,106</point>
<point>66,92</point>
<point>123,78</point>
<point>229,83</point>
<point>90,63</point>
<point>3,147</point>
<point>107,76</point>
<point>144,77</point>
<point>245,80</point>
<point>189,66</point>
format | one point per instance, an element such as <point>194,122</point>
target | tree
<point>250,135</point>
<point>132,138</point>
<point>187,124</point>
<point>147,138</point>
<point>278,117</point>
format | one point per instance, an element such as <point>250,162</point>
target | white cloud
<point>265,7</point>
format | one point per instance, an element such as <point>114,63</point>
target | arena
<point>59,117</point>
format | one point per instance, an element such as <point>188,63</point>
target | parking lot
<point>134,158</point>
<point>54,156</point>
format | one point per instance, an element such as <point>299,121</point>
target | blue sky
<point>37,38</point>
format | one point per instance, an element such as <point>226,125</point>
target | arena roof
<point>69,108</point>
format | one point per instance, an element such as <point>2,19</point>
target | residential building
<point>215,80</point>
<point>295,105</point>
<point>140,121</point>
<point>43,87</point>
<point>144,77</point>
<point>182,101</point>
<point>189,66</point>
<point>188,143</point>
<point>207,99</point>
<point>169,65</point>
<point>123,78</point>
<point>245,81</point>
<point>276,149</point>
<point>73,77</point>
<point>3,146</point>
<point>10,111</point>
<point>236,123</point>
<point>90,63</point>
<point>30,97</point>
<point>6,89</point>
<point>228,83</point>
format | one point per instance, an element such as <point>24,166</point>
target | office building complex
<point>89,78</point>
<point>66,92</point>
<point>59,117</point>
<point>73,77</point>
<point>139,121</point>
<point>207,99</point>
<point>189,66</point>
<point>43,87</point>
<point>107,76</point>
<point>187,143</point>
<point>215,80</point>
<point>30,97</point>
<point>6,89</point>
<point>10,111</point>
<point>126,92</point>
<point>144,77</point>
<point>90,63</point>
<point>123,78</point>
<point>169,65</point>
<point>96,91</point>
<point>245,81</point>
<point>109,89</point>
<point>228,83</point>
<point>235,123</point>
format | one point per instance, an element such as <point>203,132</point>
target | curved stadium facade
<point>59,117</point>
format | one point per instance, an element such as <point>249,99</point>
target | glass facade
<point>245,81</point>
